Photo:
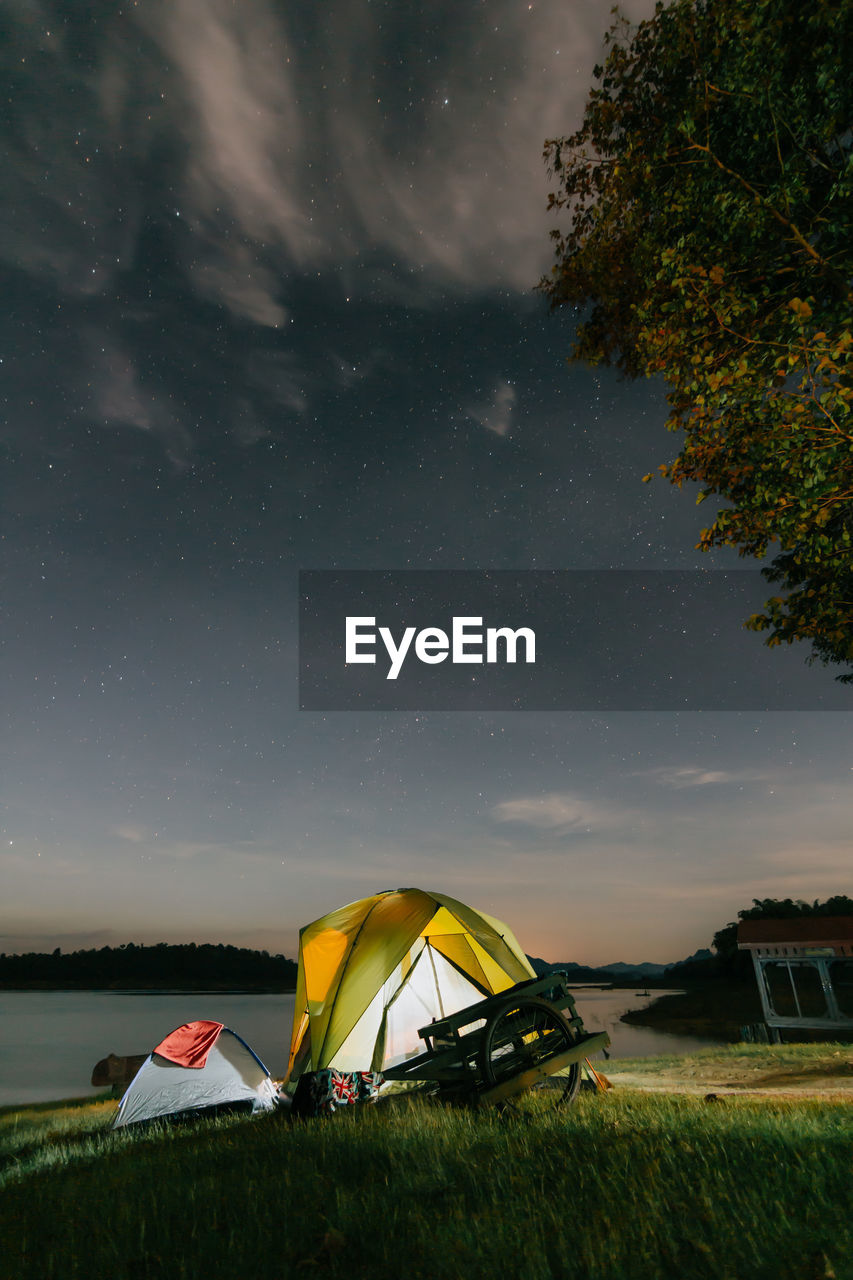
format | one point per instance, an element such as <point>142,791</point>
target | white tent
<point>200,1065</point>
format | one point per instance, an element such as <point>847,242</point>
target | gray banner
<point>563,640</point>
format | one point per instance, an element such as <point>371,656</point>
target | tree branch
<point>780,217</point>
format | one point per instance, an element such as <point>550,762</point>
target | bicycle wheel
<point>521,1035</point>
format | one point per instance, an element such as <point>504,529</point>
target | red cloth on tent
<point>190,1044</point>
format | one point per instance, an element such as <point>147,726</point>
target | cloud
<point>450,175</point>
<point>279,379</point>
<point>233,275</point>
<point>690,776</point>
<point>244,123</point>
<point>557,811</point>
<point>809,861</point>
<point>152,844</point>
<point>184,850</point>
<point>287,135</point>
<point>120,399</point>
<point>136,835</point>
<point>495,414</point>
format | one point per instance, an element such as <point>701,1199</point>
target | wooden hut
<point>804,969</point>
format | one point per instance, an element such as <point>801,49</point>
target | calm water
<point>51,1040</point>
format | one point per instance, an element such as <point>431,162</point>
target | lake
<point>51,1040</point>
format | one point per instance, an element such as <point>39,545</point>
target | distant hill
<point>702,955</point>
<point>163,967</point>
<point>576,972</point>
<point>618,972</point>
<point>650,970</point>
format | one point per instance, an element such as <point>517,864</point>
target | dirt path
<point>772,1071</point>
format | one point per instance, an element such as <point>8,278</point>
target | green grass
<point>778,1055</point>
<point>623,1185</point>
<point>720,1061</point>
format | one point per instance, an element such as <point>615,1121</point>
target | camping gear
<point>200,1065</point>
<point>373,972</point>
<point>117,1071</point>
<point>505,1044</point>
<point>322,1093</point>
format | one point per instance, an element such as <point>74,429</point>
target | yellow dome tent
<point>373,972</point>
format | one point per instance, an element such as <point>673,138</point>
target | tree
<point>725,939</point>
<point>709,197</point>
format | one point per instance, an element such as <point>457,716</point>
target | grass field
<point>626,1185</point>
<point>790,1070</point>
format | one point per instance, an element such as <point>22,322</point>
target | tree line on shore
<point>729,964</point>
<point>164,966</point>
<point>191,966</point>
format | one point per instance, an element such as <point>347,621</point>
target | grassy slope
<point>626,1185</point>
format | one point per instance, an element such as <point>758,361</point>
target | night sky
<point>268,306</point>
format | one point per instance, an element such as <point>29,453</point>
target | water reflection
<point>52,1039</point>
<point>601,1010</point>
